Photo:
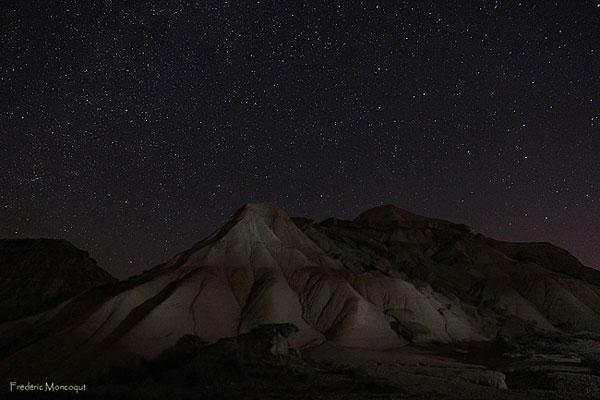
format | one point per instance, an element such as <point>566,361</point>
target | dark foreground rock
<point>263,363</point>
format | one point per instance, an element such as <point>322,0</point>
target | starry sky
<point>134,129</point>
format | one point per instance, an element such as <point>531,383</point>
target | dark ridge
<point>38,274</point>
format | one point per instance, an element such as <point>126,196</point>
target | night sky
<point>135,129</point>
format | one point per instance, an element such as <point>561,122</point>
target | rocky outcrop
<point>245,366</point>
<point>40,273</point>
<point>554,361</point>
<point>489,281</point>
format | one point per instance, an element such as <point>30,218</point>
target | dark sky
<point>134,129</point>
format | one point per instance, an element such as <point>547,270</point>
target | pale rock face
<point>261,269</point>
<point>387,278</point>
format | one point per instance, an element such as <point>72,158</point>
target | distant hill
<point>37,274</point>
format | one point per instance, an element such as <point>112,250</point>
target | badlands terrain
<point>389,305</point>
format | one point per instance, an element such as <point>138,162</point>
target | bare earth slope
<point>491,281</point>
<point>384,280</point>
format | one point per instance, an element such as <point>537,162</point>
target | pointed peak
<point>266,211</point>
<point>263,209</point>
<point>256,233</point>
<point>248,215</point>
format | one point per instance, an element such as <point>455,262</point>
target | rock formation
<point>40,273</point>
<point>387,278</point>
